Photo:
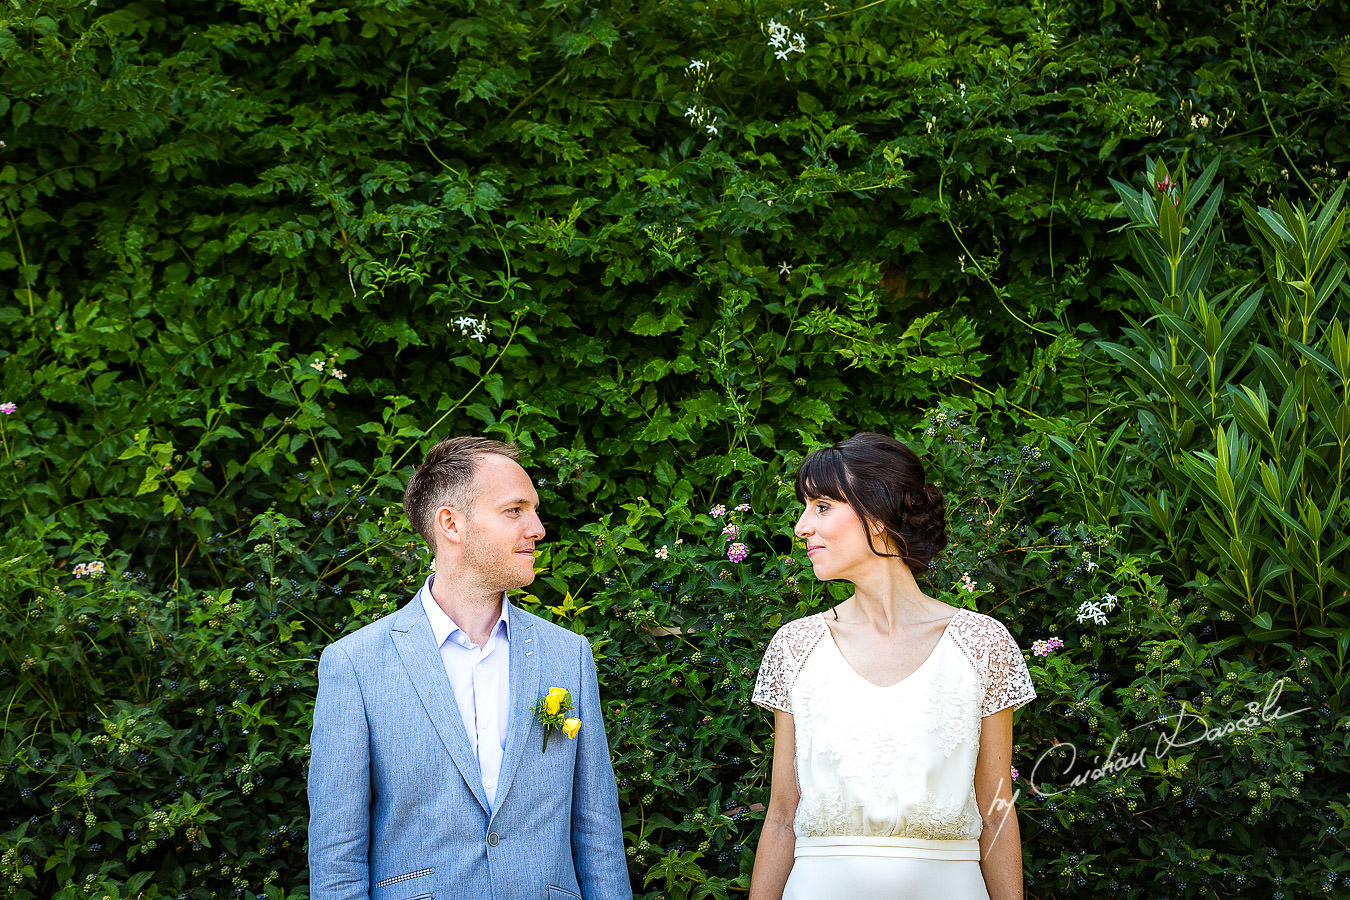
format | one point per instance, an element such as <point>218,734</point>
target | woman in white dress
<point>893,711</point>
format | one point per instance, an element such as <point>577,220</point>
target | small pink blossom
<point>718,511</point>
<point>737,552</point>
<point>1014,773</point>
<point>92,569</point>
<point>1043,648</point>
<point>732,530</point>
<point>8,409</point>
<point>339,374</point>
<point>744,507</point>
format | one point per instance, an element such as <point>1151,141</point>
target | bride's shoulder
<point>811,624</point>
<point>973,627</point>
<point>799,636</point>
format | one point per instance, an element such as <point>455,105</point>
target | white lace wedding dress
<point>886,775</point>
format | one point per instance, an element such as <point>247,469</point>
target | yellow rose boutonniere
<point>554,701</point>
<point>551,712</point>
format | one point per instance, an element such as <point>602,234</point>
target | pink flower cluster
<point>92,570</point>
<point>737,552</point>
<point>1043,648</point>
<point>732,530</point>
<point>8,408</point>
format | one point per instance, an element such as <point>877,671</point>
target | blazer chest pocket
<point>557,893</point>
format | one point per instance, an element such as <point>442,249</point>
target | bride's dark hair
<point>883,480</point>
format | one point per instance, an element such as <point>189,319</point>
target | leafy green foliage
<point>1260,373</point>
<point>260,255</point>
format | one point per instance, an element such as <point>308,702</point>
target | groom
<point>429,776</point>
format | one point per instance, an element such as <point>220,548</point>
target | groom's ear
<point>449,524</point>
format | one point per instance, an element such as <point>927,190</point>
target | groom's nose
<point>535,531</point>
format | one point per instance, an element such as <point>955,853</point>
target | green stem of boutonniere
<point>551,711</point>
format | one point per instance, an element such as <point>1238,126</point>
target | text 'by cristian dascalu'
<point>1258,714</point>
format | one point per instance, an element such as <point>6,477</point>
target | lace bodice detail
<point>896,760</point>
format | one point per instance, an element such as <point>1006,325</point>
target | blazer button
<point>493,840</point>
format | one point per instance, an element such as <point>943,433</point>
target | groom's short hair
<point>445,478</point>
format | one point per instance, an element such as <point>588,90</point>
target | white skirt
<point>851,868</point>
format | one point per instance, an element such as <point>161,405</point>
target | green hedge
<point>260,254</point>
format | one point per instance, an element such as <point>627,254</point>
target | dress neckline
<point>848,665</point>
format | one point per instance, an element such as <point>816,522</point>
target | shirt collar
<point>442,626</point>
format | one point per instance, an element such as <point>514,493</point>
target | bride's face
<point>836,539</point>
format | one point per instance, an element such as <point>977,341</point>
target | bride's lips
<point>812,548</point>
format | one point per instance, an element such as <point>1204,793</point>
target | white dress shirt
<point>481,680</point>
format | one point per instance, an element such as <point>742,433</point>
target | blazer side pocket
<point>557,893</point>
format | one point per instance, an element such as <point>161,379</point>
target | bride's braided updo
<point>883,480</point>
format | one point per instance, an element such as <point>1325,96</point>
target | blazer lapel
<point>525,653</point>
<point>417,649</point>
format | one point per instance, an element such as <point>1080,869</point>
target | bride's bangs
<point>822,474</point>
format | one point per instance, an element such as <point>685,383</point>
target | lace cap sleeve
<point>1007,680</point>
<point>783,659</point>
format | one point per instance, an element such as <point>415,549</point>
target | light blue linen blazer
<point>397,810</point>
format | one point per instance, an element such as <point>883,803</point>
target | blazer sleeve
<point>597,830</point>
<point>339,784</point>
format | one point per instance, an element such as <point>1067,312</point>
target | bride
<point>893,711</point>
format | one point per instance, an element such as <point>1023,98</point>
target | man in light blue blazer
<point>429,776</point>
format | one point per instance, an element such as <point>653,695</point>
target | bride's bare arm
<point>1001,840</point>
<point>777,842</point>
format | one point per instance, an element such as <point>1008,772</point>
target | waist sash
<point>858,845</point>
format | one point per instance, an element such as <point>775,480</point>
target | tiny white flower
<point>1089,564</point>
<point>1092,611</point>
<point>784,268</point>
<point>712,129</point>
<point>697,64</point>
<point>1109,601</point>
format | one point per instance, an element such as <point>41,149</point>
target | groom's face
<point>503,527</point>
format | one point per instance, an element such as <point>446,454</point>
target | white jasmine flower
<point>1091,610</point>
<point>474,329</point>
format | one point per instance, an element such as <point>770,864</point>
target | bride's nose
<point>801,529</point>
